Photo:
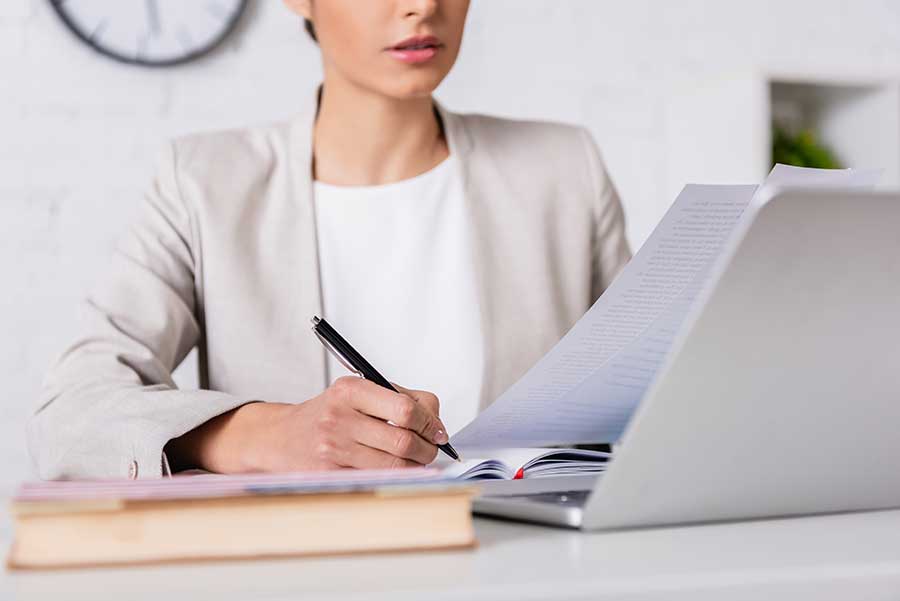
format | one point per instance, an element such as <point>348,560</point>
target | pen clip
<point>336,354</point>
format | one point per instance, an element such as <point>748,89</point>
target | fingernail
<point>440,437</point>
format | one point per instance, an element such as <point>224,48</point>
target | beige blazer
<point>223,258</point>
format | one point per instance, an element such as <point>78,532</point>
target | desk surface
<point>828,557</point>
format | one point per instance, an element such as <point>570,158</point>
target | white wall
<point>78,133</point>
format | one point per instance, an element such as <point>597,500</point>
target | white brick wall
<point>79,132</point>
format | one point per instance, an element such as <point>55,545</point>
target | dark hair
<point>310,29</point>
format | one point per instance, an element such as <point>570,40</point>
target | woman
<point>452,250</point>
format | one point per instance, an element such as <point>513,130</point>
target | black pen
<point>355,362</point>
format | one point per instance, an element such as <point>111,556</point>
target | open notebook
<point>518,464</point>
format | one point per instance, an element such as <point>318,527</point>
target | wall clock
<point>151,33</point>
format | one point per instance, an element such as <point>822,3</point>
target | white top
<point>398,283</point>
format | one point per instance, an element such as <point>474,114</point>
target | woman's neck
<point>362,138</point>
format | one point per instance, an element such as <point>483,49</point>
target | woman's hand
<point>345,426</point>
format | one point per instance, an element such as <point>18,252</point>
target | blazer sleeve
<point>610,245</point>
<point>110,405</point>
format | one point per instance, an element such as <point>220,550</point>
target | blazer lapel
<point>308,299</point>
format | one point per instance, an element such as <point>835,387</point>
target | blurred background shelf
<point>722,130</point>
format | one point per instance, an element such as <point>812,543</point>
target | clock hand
<point>153,16</point>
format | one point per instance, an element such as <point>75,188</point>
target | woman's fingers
<point>399,409</point>
<point>360,456</point>
<point>399,442</point>
<point>423,397</point>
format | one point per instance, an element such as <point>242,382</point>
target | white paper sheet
<point>587,387</point>
<point>803,177</point>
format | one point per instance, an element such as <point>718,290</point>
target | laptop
<point>781,398</point>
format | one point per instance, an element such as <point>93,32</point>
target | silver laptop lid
<point>784,396</point>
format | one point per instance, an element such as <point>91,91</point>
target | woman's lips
<point>417,55</point>
<point>416,49</point>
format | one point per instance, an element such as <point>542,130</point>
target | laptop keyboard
<point>571,498</point>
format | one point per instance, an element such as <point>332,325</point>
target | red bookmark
<point>520,474</point>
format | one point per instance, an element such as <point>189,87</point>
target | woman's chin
<point>418,85</point>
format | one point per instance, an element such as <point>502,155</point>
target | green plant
<point>802,149</point>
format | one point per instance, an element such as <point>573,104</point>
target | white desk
<point>830,557</point>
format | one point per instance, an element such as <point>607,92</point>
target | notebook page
<point>504,463</point>
<point>516,458</point>
<point>586,388</point>
<point>480,467</point>
<point>498,463</point>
